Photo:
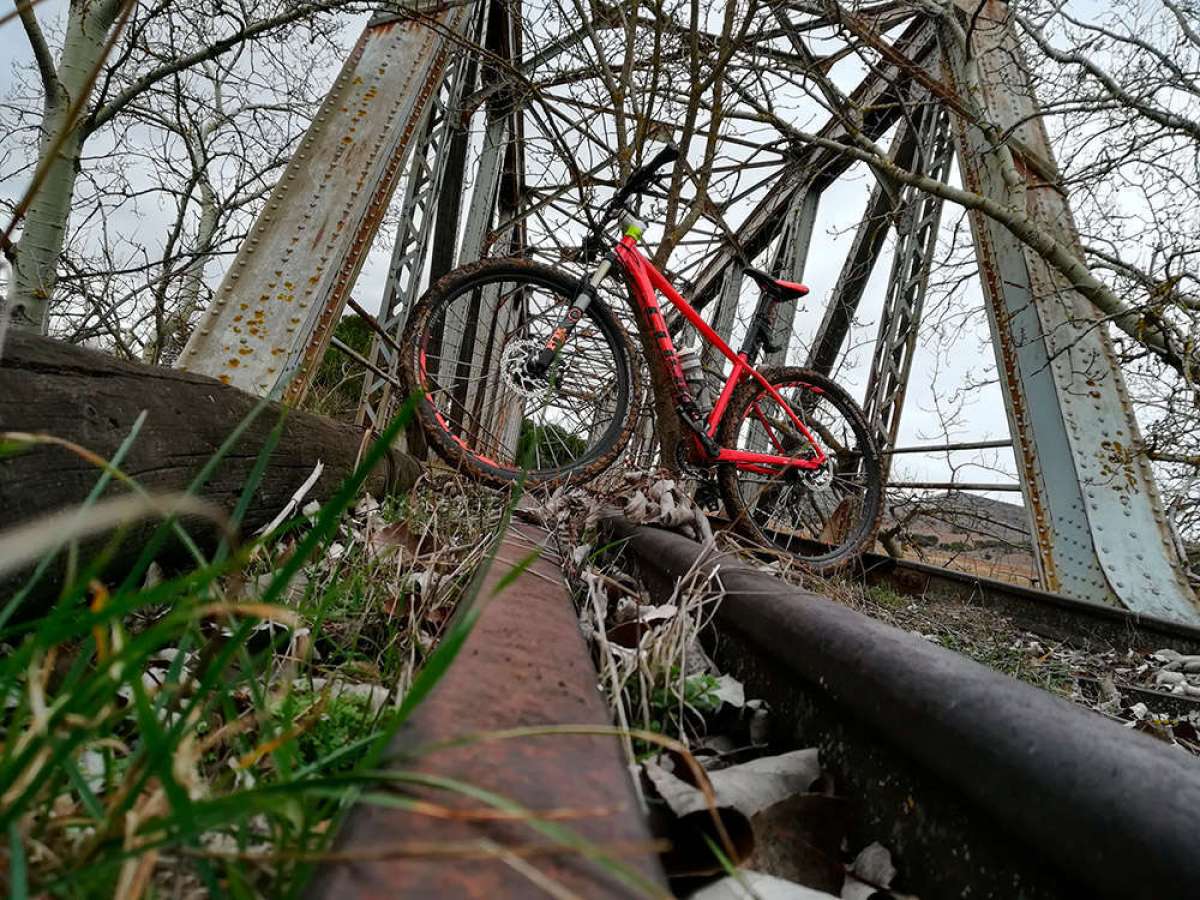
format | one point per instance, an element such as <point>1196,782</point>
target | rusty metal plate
<point>272,316</point>
<point>525,664</point>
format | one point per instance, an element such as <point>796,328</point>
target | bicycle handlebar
<point>643,177</point>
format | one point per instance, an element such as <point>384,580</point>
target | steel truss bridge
<point>425,85</point>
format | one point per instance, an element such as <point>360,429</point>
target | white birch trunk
<point>35,269</point>
<point>177,327</point>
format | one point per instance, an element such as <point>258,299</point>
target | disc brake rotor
<point>514,364</point>
<point>821,477</point>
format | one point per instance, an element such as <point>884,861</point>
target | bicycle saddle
<point>780,291</point>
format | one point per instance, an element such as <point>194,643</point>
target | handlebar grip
<point>667,154</point>
<point>641,177</point>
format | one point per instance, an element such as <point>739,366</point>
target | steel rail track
<point>983,786</point>
<point>1045,613</point>
<point>1048,614</point>
<point>524,664</point>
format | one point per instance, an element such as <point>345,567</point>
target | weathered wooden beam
<point>93,400</point>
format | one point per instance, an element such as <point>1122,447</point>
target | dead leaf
<point>730,690</point>
<point>748,788</point>
<point>398,537</point>
<point>874,864</point>
<point>692,832</point>
<point>800,839</point>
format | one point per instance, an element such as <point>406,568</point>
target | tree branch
<point>41,51</point>
<point>212,51</point>
<point>1149,331</point>
<point>1162,117</point>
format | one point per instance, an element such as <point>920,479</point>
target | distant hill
<point>966,531</point>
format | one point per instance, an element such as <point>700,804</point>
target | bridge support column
<point>1099,525</point>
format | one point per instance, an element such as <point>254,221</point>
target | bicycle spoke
<point>478,346</point>
<point>815,511</point>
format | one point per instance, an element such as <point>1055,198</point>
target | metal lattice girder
<point>478,223</point>
<point>917,219</point>
<point>508,239</point>
<point>878,99</point>
<point>487,185</point>
<point>477,343</point>
<point>1101,532</point>
<point>791,256</point>
<point>864,252</point>
<point>436,182</point>
<point>723,317</point>
<point>273,315</point>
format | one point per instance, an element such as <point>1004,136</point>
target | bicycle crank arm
<point>696,424</point>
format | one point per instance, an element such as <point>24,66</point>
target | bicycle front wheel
<point>467,343</point>
<point>823,516</point>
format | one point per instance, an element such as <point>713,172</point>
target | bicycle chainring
<point>708,495</point>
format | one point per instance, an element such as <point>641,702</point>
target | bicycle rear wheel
<point>466,345</point>
<point>823,517</point>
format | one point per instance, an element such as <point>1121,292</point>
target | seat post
<point>758,335</point>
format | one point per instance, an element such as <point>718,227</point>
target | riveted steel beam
<point>271,319</point>
<point>1100,528</point>
<point>424,199</point>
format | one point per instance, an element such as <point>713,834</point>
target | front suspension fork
<point>583,299</point>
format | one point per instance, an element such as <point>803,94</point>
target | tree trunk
<point>35,269</point>
<point>176,327</point>
<point>93,399</point>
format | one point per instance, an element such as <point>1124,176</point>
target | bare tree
<point>117,62</point>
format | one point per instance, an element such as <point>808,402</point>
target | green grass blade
<point>18,872</point>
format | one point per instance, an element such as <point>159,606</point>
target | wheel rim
<point>818,515</point>
<point>473,351</point>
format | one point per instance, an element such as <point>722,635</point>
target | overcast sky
<point>841,208</point>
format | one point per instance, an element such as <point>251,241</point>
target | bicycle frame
<point>646,282</point>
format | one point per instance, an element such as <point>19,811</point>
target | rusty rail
<point>986,786</point>
<point>1051,615</point>
<point>524,664</point>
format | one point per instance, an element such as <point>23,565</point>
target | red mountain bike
<point>523,368</point>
